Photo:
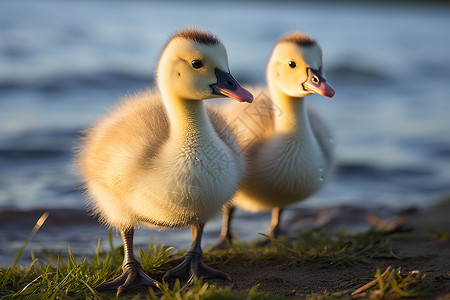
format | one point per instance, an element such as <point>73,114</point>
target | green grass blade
<point>19,253</point>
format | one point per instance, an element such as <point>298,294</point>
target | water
<point>65,63</point>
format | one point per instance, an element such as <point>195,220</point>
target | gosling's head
<point>194,66</point>
<point>295,67</point>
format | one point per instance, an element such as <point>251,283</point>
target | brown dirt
<point>417,250</point>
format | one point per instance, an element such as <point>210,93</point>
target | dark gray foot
<point>133,276</point>
<point>265,242</point>
<point>270,239</point>
<point>223,244</point>
<point>192,265</point>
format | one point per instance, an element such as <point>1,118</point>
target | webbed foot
<point>223,244</point>
<point>192,265</point>
<point>133,276</point>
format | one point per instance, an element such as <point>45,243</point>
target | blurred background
<point>63,64</point>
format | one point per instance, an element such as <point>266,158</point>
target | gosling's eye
<point>197,64</point>
<point>292,64</point>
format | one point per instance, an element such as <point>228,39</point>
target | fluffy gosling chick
<point>287,145</point>
<point>167,161</point>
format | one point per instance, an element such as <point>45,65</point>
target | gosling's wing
<point>251,123</point>
<point>128,139</point>
<point>222,128</point>
<point>226,133</point>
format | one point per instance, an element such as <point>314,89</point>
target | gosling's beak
<point>317,84</point>
<point>228,86</point>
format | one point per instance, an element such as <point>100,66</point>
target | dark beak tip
<point>229,87</point>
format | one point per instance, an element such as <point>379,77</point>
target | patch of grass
<point>392,284</point>
<point>75,279</point>
<point>72,278</point>
<point>317,246</point>
<point>154,259</point>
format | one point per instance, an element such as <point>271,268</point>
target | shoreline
<point>416,249</point>
<point>81,231</point>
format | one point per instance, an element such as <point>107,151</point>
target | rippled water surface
<point>65,63</point>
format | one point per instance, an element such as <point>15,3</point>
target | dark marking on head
<point>301,39</point>
<point>197,35</point>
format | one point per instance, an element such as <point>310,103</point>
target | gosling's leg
<point>274,228</point>
<point>133,274</point>
<point>225,235</point>
<point>191,264</point>
<point>273,231</point>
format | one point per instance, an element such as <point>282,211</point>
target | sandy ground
<point>417,248</point>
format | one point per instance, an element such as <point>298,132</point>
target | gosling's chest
<point>204,169</point>
<point>293,166</point>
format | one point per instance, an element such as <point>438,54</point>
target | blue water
<point>65,63</point>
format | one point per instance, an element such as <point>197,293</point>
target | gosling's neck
<point>189,122</point>
<point>293,117</point>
